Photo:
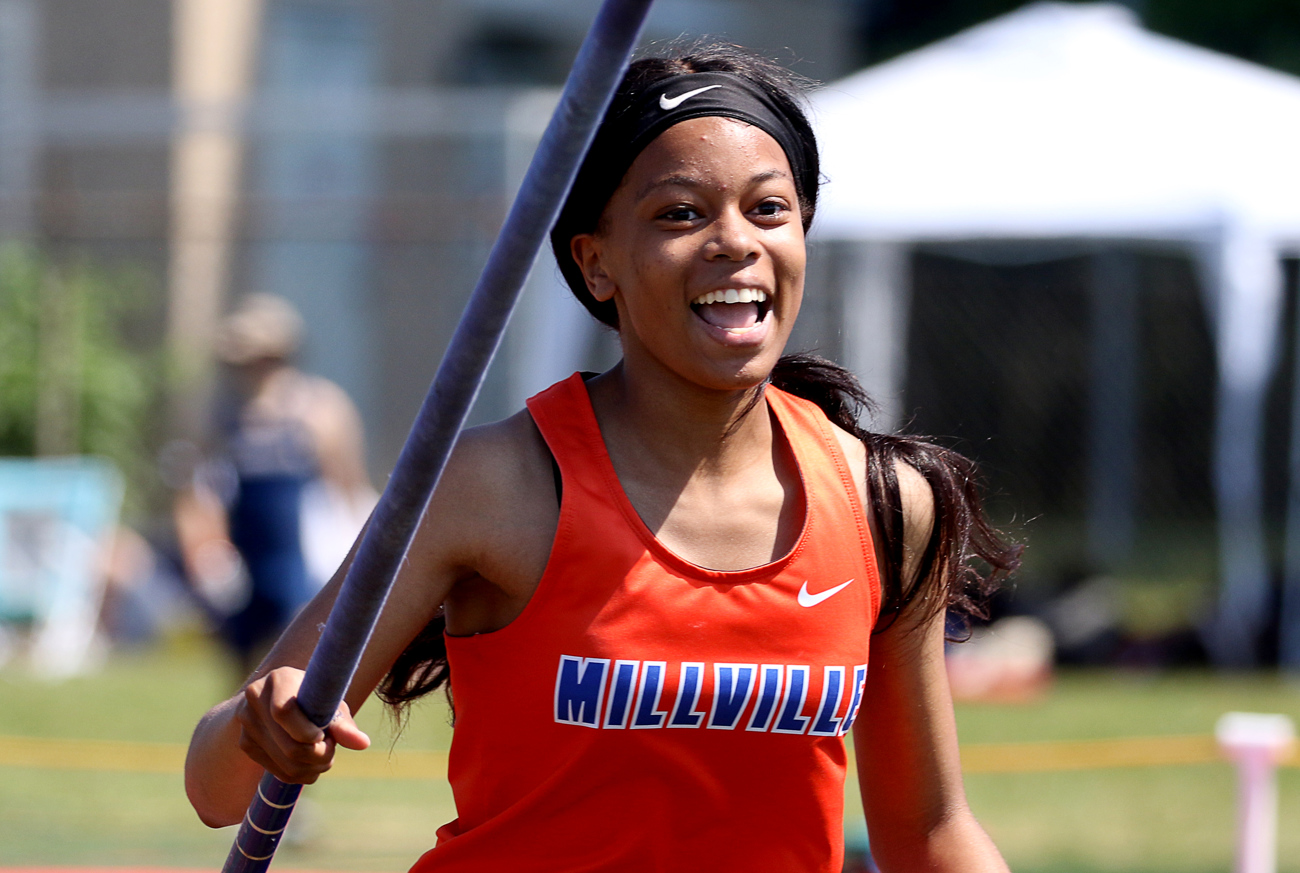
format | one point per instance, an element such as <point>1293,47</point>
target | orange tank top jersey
<point>647,714</point>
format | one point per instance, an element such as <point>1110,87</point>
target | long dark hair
<point>948,576</point>
<point>965,558</point>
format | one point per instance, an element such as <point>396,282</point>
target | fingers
<point>276,733</point>
<point>344,731</point>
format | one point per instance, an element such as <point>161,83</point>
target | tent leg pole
<point>1289,617</point>
<point>1113,436</point>
<point>1244,591</point>
<point>877,297</point>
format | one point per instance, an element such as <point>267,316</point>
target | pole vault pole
<point>596,72</point>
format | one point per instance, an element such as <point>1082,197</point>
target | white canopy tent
<point>1065,121</point>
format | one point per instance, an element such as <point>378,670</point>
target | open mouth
<point>733,309</point>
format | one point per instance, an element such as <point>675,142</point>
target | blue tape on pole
<point>596,72</point>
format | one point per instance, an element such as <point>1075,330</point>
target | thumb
<point>345,732</point>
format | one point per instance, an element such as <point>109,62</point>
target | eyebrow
<point>694,182</point>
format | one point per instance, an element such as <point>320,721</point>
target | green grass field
<point>1168,819</point>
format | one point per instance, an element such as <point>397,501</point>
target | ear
<point>587,253</point>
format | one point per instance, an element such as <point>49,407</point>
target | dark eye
<point>679,214</point>
<point>771,209</point>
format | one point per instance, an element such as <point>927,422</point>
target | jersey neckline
<point>614,487</point>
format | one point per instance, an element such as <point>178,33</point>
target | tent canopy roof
<point>1060,120</point>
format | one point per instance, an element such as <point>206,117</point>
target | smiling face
<point>701,249</point>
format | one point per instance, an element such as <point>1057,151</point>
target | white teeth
<point>731,295</point>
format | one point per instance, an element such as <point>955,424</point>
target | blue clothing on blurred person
<point>273,463</point>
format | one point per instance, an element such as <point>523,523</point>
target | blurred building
<point>355,157</point>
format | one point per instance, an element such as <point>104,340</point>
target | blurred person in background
<point>259,525</point>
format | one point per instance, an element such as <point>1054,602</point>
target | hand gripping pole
<point>596,72</point>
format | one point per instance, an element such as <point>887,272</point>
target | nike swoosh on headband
<point>666,102</point>
<point>807,599</point>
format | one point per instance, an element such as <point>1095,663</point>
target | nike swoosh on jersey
<point>666,102</point>
<point>808,599</point>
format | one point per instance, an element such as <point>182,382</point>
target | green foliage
<point>20,279</point>
<point>70,381</point>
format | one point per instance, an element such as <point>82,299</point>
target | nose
<point>733,237</point>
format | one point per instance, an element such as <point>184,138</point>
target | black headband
<point>698,95</point>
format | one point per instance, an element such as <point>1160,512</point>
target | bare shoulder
<point>308,394</point>
<point>855,454</point>
<point>494,465</point>
<point>914,492</point>
<point>496,499</point>
<point>323,390</point>
<point>918,506</point>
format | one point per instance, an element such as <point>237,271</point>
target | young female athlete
<point>665,595</point>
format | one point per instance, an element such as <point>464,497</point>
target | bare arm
<point>483,541</point>
<point>340,443</point>
<point>261,727</point>
<point>906,739</point>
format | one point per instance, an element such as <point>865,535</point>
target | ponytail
<point>421,669</point>
<point>948,576</point>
